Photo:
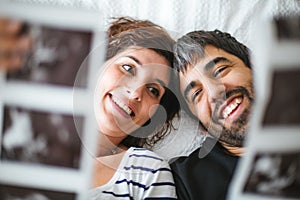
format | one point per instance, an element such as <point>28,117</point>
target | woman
<point>134,107</point>
<point>134,99</point>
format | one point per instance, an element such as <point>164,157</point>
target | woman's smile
<point>123,108</point>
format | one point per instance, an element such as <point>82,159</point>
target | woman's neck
<point>105,167</point>
<point>108,145</point>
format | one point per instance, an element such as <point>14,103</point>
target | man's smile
<point>231,107</point>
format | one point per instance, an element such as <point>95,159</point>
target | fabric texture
<point>141,175</point>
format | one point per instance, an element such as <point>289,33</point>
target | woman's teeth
<point>122,106</point>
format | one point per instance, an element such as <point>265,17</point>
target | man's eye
<point>154,91</point>
<point>219,71</point>
<point>128,68</point>
<point>196,94</point>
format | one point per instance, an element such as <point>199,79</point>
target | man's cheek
<point>194,110</point>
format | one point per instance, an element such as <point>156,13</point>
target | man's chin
<point>234,141</point>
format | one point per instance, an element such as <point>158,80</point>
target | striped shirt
<point>142,174</point>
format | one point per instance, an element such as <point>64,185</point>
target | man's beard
<point>235,135</point>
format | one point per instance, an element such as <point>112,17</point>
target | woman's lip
<point>230,107</point>
<point>125,109</point>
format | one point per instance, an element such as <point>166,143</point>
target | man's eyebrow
<point>215,61</point>
<point>188,88</point>
<point>207,67</point>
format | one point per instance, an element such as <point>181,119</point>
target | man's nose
<point>216,91</point>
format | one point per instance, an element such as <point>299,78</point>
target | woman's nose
<point>135,93</point>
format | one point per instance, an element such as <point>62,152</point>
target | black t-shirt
<point>204,178</point>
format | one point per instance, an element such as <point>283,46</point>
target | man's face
<point>219,92</point>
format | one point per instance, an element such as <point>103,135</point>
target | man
<point>216,84</point>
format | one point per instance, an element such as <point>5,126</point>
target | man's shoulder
<point>204,175</point>
<point>209,154</point>
<point>208,146</point>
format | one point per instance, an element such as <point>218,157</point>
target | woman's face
<point>129,89</point>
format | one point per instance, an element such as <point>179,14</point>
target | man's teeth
<point>122,105</point>
<point>231,107</point>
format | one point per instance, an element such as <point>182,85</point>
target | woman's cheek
<point>153,109</point>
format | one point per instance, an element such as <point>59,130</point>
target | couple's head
<point>138,83</point>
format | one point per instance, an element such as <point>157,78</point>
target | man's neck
<point>236,151</point>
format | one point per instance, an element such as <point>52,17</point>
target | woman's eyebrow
<point>161,82</point>
<point>139,63</point>
<point>135,59</point>
<point>158,81</point>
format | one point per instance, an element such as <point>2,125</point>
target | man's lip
<point>236,99</point>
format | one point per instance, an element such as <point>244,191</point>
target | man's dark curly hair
<point>190,47</point>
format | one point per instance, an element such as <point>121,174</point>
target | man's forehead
<point>199,63</point>
<point>197,67</point>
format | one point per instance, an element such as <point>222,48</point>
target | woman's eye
<point>196,94</point>
<point>154,91</point>
<point>219,71</point>
<point>128,68</point>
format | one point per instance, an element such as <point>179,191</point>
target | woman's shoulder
<point>144,162</point>
<point>146,157</point>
